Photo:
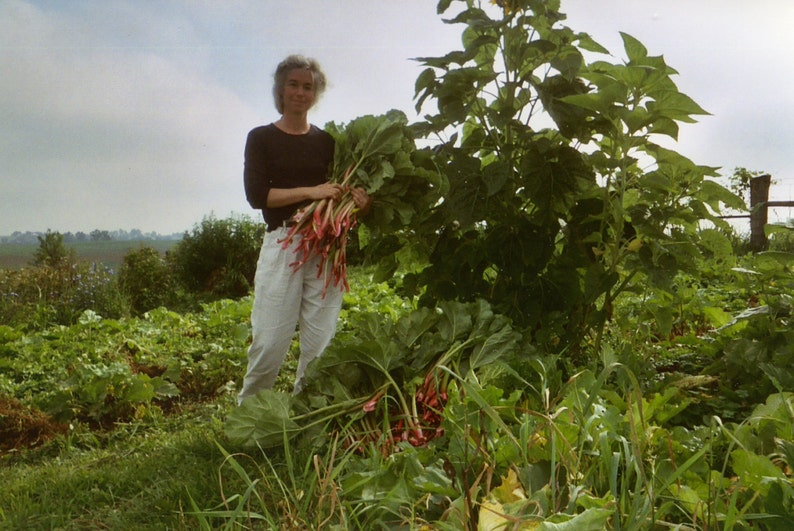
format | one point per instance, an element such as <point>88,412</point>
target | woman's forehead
<point>303,75</point>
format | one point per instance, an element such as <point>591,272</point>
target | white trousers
<point>282,299</point>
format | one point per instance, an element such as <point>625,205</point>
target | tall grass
<point>286,490</point>
<point>597,454</point>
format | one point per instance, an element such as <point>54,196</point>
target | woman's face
<point>298,95</point>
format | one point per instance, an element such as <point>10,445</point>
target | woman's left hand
<point>362,200</point>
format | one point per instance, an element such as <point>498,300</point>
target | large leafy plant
<point>384,381</point>
<point>559,194</point>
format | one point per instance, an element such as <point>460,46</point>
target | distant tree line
<point>29,237</point>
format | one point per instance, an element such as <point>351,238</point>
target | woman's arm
<point>280,197</point>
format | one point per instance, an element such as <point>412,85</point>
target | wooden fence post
<point>759,197</point>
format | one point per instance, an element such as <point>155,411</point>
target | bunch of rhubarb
<point>370,151</point>
<point>323,228</point>
<point>420,421</point>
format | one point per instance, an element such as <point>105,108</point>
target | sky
<point>133,114</point>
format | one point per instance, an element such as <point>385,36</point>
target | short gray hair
<point>289,64</point>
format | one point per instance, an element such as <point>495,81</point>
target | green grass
<point>109,253</point>
<point>138,476</point>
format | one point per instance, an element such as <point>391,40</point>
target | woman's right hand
<point>326,191</point>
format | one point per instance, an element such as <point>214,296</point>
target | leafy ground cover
<point>132,424</point>
<point>116,423</point>
<point>686,426</point>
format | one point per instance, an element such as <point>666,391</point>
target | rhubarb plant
<point>385,381</point>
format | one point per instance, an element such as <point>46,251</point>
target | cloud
<point>107,132</point>
<point>133,113</point>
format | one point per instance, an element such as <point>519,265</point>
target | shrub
<point>218,258</point>
<point>146,280</point>
<point>47,295</point>
<point>783,238</point>
<point>52,251</point>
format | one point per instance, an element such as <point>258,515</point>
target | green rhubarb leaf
<point>456,321</point>
<point>262,419</point>
<point>497,344</point>
<point>369,144</point>
<point>415,325</point>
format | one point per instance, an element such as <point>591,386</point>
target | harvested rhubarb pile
<point>388,384</point>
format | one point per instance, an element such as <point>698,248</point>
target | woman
<point>286,167</point>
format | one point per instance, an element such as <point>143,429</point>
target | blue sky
<point>123,114</point>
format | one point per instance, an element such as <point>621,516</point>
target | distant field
<point>109,253</point>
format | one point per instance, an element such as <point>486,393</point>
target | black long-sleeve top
<point>275,159</point>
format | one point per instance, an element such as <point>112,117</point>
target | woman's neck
<point>294,125</point>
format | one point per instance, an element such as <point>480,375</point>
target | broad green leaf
<point>262,419</point>
<point>716,317</point>
<point>140,389</point>
<point>497,345</point>
<point>658,181</point>
<point>432,479</point>
<point>633,76</point>
<point>635,50</point>
<point>663,316</point>
<point>778,505</point>
<point>442,6</point>
<point>241,332</point>
<point>664,126</point>
<point>381,354</point>
<point>717,246</point>
<point>411,328</point>
<point>594,519</point>
<point>687,496</point>
<point>754,470</point>
<point>784,228</point>
<point>496,175</point>
<point>586,42</point>
<point>778,258</point>
<point>675,105</point>
<point>455,322</point>
<point>779,407</point>
<point>368,144</point>
<point>479,47</point>
<point>568,61</point>
<point>713,193</point>
<point>594,102</point>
